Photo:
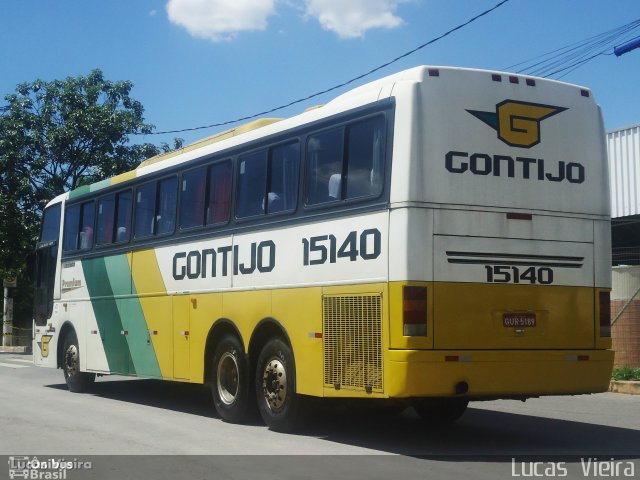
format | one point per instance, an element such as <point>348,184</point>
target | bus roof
<point>371,91</point>
<point>216,137</point>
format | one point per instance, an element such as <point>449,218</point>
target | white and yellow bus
<point>437,236</point>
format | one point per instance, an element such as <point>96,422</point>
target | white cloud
<point>220,20</point>
<point>352,18</point>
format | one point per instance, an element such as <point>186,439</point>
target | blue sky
<point>198,62</point>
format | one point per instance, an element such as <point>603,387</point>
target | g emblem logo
<point>44,345</point>
<point>517,123</point>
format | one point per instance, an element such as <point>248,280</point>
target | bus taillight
<point>414,311</point>
<point>605,314</point>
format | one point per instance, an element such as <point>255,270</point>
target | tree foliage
<point>54,137</point>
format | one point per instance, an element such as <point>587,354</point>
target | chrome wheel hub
<point>274,384</point>
<point>71,360</point>
<point>227,378</point>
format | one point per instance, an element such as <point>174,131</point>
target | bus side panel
<point>205,309</point>
<point>301,310</point>
<point>156,307</point>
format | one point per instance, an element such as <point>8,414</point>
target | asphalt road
<point>174,430</point>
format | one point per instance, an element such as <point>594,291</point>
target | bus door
<point>108,282</point>
<point>47,255</point>
<point>181,336</point>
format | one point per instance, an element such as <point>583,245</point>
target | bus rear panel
<point>503,195</point>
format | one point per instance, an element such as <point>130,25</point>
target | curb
<point>15,350</point>
<point>629,387</point>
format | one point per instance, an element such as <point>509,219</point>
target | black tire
<point>231,381</point>
<point>441,411</point>
<point>281,408</point>
<point>77,381</point>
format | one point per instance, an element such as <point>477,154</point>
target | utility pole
<point>7,312</point>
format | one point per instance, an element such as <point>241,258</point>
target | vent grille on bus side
<point>353,342</point>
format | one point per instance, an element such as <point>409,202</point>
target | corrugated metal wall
<point>623,147</point>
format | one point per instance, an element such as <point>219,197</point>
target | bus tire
<point>281,408</point>
<point>77,381</point>
<point>441,411</point>
<point>230,382</point>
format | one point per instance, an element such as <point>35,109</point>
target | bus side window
<point>252,181</point>
<point>283,178</point>
<point>166,208</point>
<point>123,216</point>
<point>331,177</point>
<point>145,210</point>
<point>106,212</point>
<point>86,225</point>
<point>324,167</point>
<point>71,228</point>
<point>192,198</point>
<point>219,194</point>
<point>365,158</point>
<point>78,227</point>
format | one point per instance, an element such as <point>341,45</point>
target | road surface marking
<point>13,365</point>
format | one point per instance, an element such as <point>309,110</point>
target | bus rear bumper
<point>497,374</point>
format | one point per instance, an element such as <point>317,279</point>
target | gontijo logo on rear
<point>518,123</point>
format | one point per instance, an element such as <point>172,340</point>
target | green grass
<point>626,373</point>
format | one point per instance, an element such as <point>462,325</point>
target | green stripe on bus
<point>78,192</point>
<point>132,317</point>
<point>107,314</point>
<point>100,185</point>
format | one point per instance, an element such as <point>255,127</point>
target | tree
<point>54,137</point>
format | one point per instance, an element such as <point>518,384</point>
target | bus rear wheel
<point>441,411</point>
<point>281,408</point>
<point>77,381</point>
<point>230,385</point>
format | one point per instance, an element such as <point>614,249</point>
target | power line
<point>565,49</point>
<point>565,60</point>
<point>343,84</point>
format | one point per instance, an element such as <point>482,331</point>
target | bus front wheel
<point>441,411</point>
<point>77,381</point>
<point>280,406</point>
<point>230,384</point>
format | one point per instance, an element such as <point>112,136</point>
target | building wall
<point>623,148</point>
<point>625,331</point>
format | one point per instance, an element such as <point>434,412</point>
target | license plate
<point>527,319</point>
